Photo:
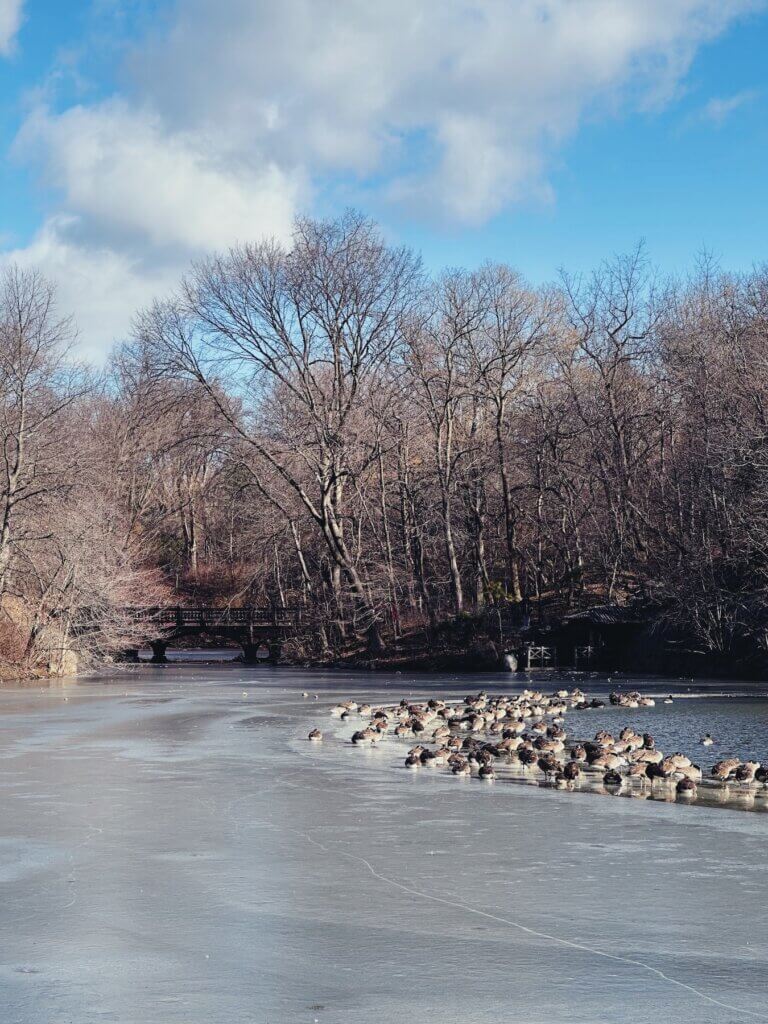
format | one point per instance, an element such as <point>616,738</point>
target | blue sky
<point>139,134</point>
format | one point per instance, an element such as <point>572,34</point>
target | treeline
<point>325,425</point>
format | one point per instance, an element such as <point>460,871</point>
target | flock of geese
<point>524,732</point>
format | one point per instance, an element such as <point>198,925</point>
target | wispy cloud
<point>718,109</point>
<point>10,22</point>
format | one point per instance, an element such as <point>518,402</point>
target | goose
<point>462,769</point>
<point>612,780</point>
<point>667,768</point>
<point>646,756</point>
<point>315,736</point>
<point>364,736</point>
<point>706,740</point>
<point>548,764</point>
<point>572,771</point>
<point>412,762</point>
<point>686,787</point>
<point>487,773</point>
<point>746,772</point>
<point>723,769</point>
<point>609,761</point>
<point>680,760</point>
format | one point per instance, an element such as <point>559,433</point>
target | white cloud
<point>719,108</point>
<point>139,203</point>
<point>485,90</point>
<point>120,168</point>
<point>102,286</point>
<point>10,23</point>
<point>232,111</point>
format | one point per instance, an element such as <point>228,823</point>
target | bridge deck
<point>208,618</point>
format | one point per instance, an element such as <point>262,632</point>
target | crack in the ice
<point>456,905</point>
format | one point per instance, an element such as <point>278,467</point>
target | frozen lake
<point>172,849</point>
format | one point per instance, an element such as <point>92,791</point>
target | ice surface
<point>172,849</point>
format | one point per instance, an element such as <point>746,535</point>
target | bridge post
<point>250,652</point>
<point>275,650</point>
<point>159,647</point>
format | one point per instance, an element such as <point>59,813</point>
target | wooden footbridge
<point>260,632</point>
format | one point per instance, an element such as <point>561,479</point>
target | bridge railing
<point>178,616</point>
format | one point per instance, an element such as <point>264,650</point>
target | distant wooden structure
<point>599,637</point>
<point>260,632</point>
<point>540,656</point>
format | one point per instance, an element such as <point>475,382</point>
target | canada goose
<point>746,772</point>
<point>315,736</point>
<point>487,773</point>
<point>548,764</point>
<point>646,756</point>
<point>706,740</point>
<point>686,787</point>
<point>680,760</point>
<point>609,761</point>
<point>723,769</point>
<point>572,771</point>
<point>412,762</point>
<point>365,736</point>
<point>612,779</point>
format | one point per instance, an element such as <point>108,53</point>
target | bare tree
<point>304,337</point>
